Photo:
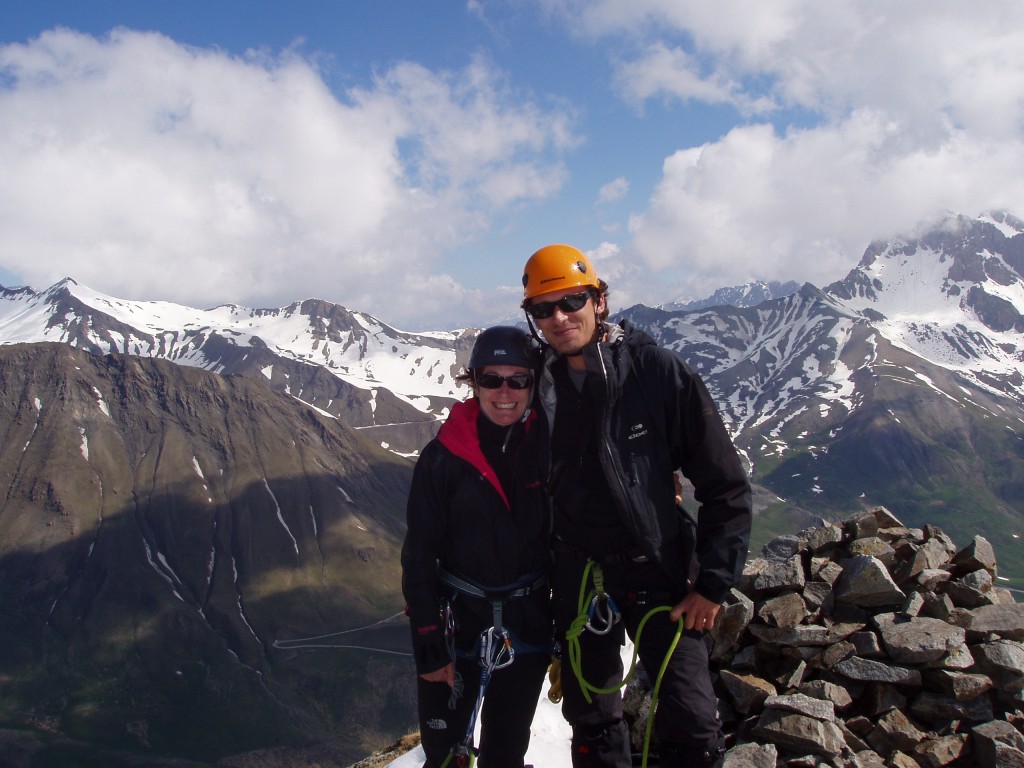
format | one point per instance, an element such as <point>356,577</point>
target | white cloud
<point>613,190</point>
<point>152,170</point>
<point>862,118</point>
<point>805,205</point>
<point>907,58</point>
<point>148,169</point>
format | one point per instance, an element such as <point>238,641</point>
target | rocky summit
<point>869,644</point>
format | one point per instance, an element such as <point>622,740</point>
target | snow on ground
<point>549,744</point>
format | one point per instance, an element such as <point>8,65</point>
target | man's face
<point>569,332</point>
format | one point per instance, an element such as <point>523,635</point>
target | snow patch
<point>102,404</point>
<point>280,516</point>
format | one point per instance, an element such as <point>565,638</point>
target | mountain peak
<point>746,295</point>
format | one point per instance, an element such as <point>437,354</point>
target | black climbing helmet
<point>505,345</point>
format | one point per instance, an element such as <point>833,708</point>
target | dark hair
<point>602,290</point>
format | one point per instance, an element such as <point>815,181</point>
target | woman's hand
<point>445,674</point>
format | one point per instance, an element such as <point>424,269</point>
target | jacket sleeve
<point>426,522</point>
<point>708,459</point>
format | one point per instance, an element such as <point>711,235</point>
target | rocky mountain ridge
<point>347,363</point>
<point>747,295</point>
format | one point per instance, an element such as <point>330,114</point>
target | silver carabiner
<point>496,651</point>
<point>609,618</point>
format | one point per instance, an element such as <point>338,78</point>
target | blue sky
<point>404,158</point>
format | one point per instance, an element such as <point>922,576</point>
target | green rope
<point>578,626</point>
<point>661,674</point>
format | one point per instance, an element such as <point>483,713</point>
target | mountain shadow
<point>164,533</point>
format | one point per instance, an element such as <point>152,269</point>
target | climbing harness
<point>496,596</point>
<point>590,605</point>
<point>496,647</point>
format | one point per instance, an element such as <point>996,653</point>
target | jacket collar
<point>460,435</point>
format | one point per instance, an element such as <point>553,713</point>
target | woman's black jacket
<point>461,519</point>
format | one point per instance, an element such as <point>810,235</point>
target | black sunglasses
<point>574,302</point>
<point>494,381</point>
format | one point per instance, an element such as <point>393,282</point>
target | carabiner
<point>496,651</point>
<point>610,616</point>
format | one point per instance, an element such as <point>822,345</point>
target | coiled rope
<point>588,606</point>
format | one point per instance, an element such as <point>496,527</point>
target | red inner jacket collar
<point>459,435</point>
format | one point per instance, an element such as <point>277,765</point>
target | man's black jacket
<point>656,416</point>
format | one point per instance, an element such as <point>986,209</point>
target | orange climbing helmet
<point>557,266</point>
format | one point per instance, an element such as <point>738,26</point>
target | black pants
<point>687,715</point>
<point>505,718</point>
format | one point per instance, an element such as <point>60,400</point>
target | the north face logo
<point>437,724</point>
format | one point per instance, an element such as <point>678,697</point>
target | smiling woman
<point>503,391</point>
<point>475,561</point>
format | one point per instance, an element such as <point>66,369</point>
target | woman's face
<point>503,405</point>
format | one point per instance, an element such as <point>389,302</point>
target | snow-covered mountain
<point>346,363</point>
<point>747,295</point>
<point>953,297</point>
<point>257,519</point>
<point>901,384</point>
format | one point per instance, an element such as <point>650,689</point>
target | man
<point>624,415</point>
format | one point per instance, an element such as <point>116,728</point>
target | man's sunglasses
<point>494,381</point>
<point>574,302</point>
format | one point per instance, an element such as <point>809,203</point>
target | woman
<point>475,562</point>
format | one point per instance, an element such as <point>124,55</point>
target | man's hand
<point>699,613</point>
<point>445,674</point>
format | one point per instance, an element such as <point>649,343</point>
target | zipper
<point>606,434</point>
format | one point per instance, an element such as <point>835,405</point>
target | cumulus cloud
<point>860,120</point>
<point>613,190</point>
<point>153,170</point>
<point>148,169</point>
<point>757,205</point>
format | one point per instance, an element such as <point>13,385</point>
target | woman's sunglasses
<point>494,381</point>
<point>574,302</point>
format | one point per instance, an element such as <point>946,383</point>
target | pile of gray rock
<point>871,644</point>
